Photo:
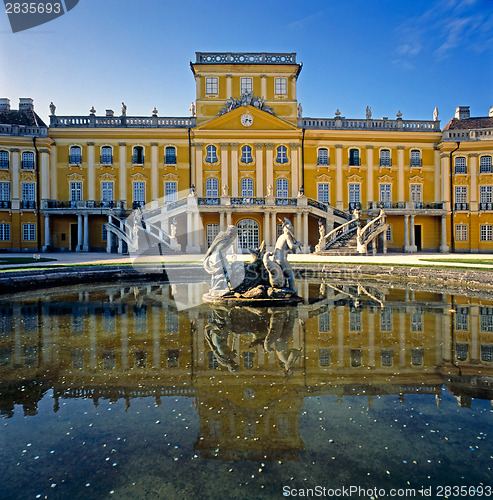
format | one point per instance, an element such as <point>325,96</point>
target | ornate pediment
<point>282,175</point>
<point>323,178</point>
<point>461,181</point>
<point>385,178</point>
<point>170,177</point>
<point>107,177</point>
<point>75,177</point>
<point>4,176</point>
<point>245,174</point>
<point>354,178</point>
<point>486,180</point>
<point>138,176</point>
<point>246,99</point>
<point>416,179</point>
<point>28,176</point>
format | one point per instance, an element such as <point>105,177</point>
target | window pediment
<point>323,178</point>
<point>138,176</point>
<point>486,180</point>
<point>416,179</point>
<point>107,177</point>
<point>170,177</point>
<point>385,178</point>
<point>75,177</point>
<point>354,178</point>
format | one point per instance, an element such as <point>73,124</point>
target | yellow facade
<point>249,156</point>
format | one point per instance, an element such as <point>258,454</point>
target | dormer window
<point>106,155</point>
<point>323,156</point>
<point>170,155</point>
<point>28,160</point>
<point>75,155</point>
<point>211,156</point>
<point>138,155</point>
<point>282,154</point>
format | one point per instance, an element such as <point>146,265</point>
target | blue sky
<point>389,54</point>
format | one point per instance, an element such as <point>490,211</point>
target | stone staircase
<point>346,245</point>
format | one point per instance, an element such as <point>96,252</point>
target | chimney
<point>5,104</point>
<point>462,112</point>
<point>491,112</point>
<point>26,104</point>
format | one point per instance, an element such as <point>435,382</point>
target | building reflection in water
<point>248,369</point>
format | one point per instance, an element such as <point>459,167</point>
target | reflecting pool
<point>110,391</point>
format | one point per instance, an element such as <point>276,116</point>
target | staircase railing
<point>338,233</point>
<point>368,233</point>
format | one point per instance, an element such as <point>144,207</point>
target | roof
<point>470,123</point>
<point>15,117</point>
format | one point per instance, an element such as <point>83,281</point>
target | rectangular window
<point>354,193</point>
<point>417,320</point>
<point>75,191</point>
<point>486,232</point>
<point>386,319</point>
<point>387,357</point>
<point>486,319</point>
<point>323,190</point>
<point>484,165</point>
<point>386,194</point>
<point>462,319</point>
<point>173,356</point>
<point>460,165</point>
<point>460,232</point>
<point>417,357</point>
<point>4,191</point>
<point>324,322</point>
<point>4,232</point>
<point>211,85</point>
<point>246,85</point>
<point>415,158</point>
<point>29,232</point>
<point>28,191</point>
<point>487,353</point>
<point>388,233</point>
<point>461,351</point>
<point>282,188</point>
<point>416,193</point>
<point>212,232</point>
<point>324,356</point>
<point>460,197</point>
<point>28,160</point>
<point>139,192</point>
<point>171,322</point>
<point>104,232</point>
<point>4,159</point>
<point>485,194</point>
<point>323,156</point>
<point>107,191</point>
<point>355,321</point>
<point>170,190</point>
<point>280,86</point>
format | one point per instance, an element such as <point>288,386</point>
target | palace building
<point>246,155</point>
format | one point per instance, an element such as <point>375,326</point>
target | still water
<point>109,391</point>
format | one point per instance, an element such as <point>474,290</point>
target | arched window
<point>323,156</point>
<point>354,158</point>
<point>385,160</point>
<point>415,158</point>
<point>28,160</point>
<point>246,187</point>
<point>211,188</point>
<point>75,155</point>
<point>484,165</point>
<point>212,232</point>
<point>282,188</point>
<point>170,155</point>
<point>246,154</point>
<point>282,154</point>
<point>4,159</point>
<point>211,156</point>
<point>106,155</point>
<point>460,165</point>
<point>138,155</point>
<point>248,234</point>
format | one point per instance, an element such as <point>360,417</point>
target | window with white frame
<point>388,233</point>
<point>355,320</point>
<point>107,191</point>
<point>212,231</point>
<point>416,193</point>
<point>486,319</point>
<point>460,232</point>
<point>415,158</point>
<point>323,156</point>
<point>75,155</point>
<point>211,188</point>
<point>386,319</point>
<point>28,194</point>
<point>387,357</point>
<point>282,188</point>
<point>323,192</point>
<point>76,191</point>
<point>4,231</point>
<point>29,232</point>
<point>282,154</point>
<point>460,165</point>
<point>139,192</point>
<point>4,191</point>
<point>385,158</point>
<point>246,85</point>
<point>28,160</point>
<point>487,353</point>
<point>246,187</point>
<point>354,192</point>
<point>462,319</point>
<point>170,191</point>
<point>485,194</point>
<point>386,194</point>
<point>170,155</point>
<point>248,234</point>
<point>138,155</point>
<point>106,155</point>
<point>4,159</point>
<point>460,195</point>
<point>417,357</point>
<point>104,232</point>
<point>354,160</point>
<point>246,154</point>
<point>417,320</point>
<point>324,322</point>
<point>211,156</point>
<point>212,85</point>
<point>486,232</point>
<point>484,165</point>
<point>280,86</point>
<point>324,356</point>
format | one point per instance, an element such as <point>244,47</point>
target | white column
<point>406,233</point>
<point>294,170</point>
<point>229,218</point>
<point>414,248</point>
<point>45,174</point>
<point>369,174</point>
<point>473,313</point>
<point>293,88</point>
<point>154,173</point>
<point>340,335</point>
<point>79,233</point>
<point>267,234</point>
<point>371,338</point>
<point>306,246</point>
<point>47,232</point>
<point>108,235</point>
<point>85,248</point>
<point>269,165</point>
<point>15,179</point>
<point>224,166</point>
<point>124,335</point>
<point>445,178</point>
<point>339,186</point>
<point>198,86</point>
<point>263,85</point>
<point>234,169</point>
<point>91,173</point>
<point>229,87</point>
<point>298,230</point>
<point>473,195</point>
<point>273,228</point>
<point>190,231</point>
<point>437,175</point>
<point>198,168</point>
<point>222,224</point>
<point>259,157</point>
<point>156,330</point>
<point>123,173</point>
<point>443,244</point>
<point>199,234</point>
<point>53,174</point>
<point>400,174</point>
<point>402,340</point>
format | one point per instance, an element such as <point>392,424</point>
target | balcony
<point>486,206</point>
<point>5,204</point>
<point>28,204</point>
<point>461,206</point>
<point>286,202</point>
<point>82,205</point>
<point>405,205</point>
<point>247,201</point>
<point>354,205</point>
<point>209,201</point>
<point>75,159</point>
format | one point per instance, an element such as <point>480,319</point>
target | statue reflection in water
<point>271,328</point>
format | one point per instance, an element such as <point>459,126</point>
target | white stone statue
<point>192,109</point>
<point>368,112</point>
<point>300,111</point>
<point>225,190</point>
<point>124,109</point>
<point>270,190</point>
<point>172,229</point>
<point>435,114</point>
<point>52,108</point>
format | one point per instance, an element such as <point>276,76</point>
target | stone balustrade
<point>93,121</point>
<point>245,58</point>
<point>340,123</point>
<point>23,130</point>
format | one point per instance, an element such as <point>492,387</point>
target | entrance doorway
<point>74,236</point>
<point>417,237</point>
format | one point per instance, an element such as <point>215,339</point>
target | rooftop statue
<point>124,109</point>
<point>52,108</point>
<point>368,112</point>
<point>435,114</point>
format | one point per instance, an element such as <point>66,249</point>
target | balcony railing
<point>416,162</point>
<point>28,204</point>
<point>247,201</point>
<point>5,204</point>
<point>403,205</point>
<point>385,162</point>
<point>354,205</point>
<point>75,159</point>
<point>369,124</point>
<point>137,204</point>
<point>27,165</point>
<point>355,163</point>
<point>83,204</point>
<point>486,206</point>
<point>461,206</point>
<point>286,201</point>
<point>208,201</point>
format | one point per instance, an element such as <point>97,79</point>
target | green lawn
<point>462,261</point>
